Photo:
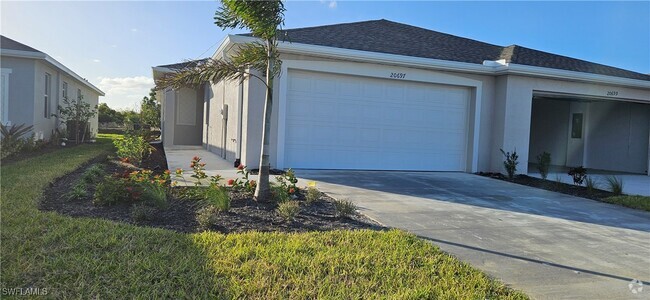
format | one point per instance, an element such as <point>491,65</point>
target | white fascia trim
<point>52,61</point>
<point>518,69</point>
<point>496,68</point>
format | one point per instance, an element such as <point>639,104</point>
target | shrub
<point>578,174</point>
<point>313,194</point>
<point>344,208</point>
<point>198,168</point>
<point>615,185</point>
<point>111,191</point>
<point>93,174</point>
<point>207,217</point>
<point>289,209</point>
<point>591,184</point>
<point>77,192</point>
<point>288,181</point>
<point>510,164</point>
<point>280,193</point>
<point>132,147</point>
<point>13,139</point>
<point>543,163</point>
<point>218,197</point>
<point>153,194</point>
<point>142,212</point>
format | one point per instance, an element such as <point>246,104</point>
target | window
<point>4,93</point>
<point>79,96</point>
<point>65,90</point>
<point>46,97</point>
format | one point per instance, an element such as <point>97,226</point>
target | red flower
<point>202,164</point>
<point>168,172</point>
<point>241,167</point>
<point>292,190</point>
<point>196,158</point>
<point>231,181</point>
<point>192,165</point>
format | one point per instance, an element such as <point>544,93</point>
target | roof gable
<point>9,44</point>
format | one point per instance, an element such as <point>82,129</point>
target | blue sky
<point>114,44</point>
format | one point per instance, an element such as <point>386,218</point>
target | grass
<point>93,258</point>
<point>636,202</point>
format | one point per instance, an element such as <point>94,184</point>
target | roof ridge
<point>442,33</point>
<point>333,25</point>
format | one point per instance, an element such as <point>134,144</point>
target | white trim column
<point>4,105</point>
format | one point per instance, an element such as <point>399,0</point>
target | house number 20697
<point>397,75</point>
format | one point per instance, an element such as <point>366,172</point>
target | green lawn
<point>636,202</point>
<point>84,258</point>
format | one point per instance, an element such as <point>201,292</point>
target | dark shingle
<point>9,44</point>
<point>384,36</point>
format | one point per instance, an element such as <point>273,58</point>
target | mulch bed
<point>550,185</point>
<point>245,213</point>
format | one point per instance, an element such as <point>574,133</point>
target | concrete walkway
<point>633,184</point>
<point>547,244</point>
<point>179,157</point>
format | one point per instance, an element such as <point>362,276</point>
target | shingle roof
<point>185,64</point>
<point>9,44</point>
<point>395,38</point>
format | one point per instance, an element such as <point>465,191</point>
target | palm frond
<point>263,18</point>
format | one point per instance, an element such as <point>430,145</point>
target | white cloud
<point>125,92</point>
<point>96,60</point>
<point>330,3</point>
<point>113,46</point>
<point>134,29</point>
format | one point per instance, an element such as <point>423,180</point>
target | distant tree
<point>107,114</point>
<point>150,110</point>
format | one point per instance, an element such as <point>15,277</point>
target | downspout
<point>240,108</point>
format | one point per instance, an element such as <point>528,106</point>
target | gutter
<point>52,61</point>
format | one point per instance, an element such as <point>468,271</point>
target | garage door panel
<point>348,122</point>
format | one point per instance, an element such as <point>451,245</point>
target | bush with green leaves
<point>344,208</point>
<point>111,190</point>
<point>313,194</point>
<point>279,193</point>
<point>510,163</point>
<point>93,175</point>
<point>76,114</point>
<point>288,210</point>
<point>543,163</point>
<point>142,212</point>
<point>153,194</point>
<point>218,197</point>
<point>77,192</point>
<point>132,147</point>
<point>14,139</point>
<point>288,181</point>
<point>578,174</point>
<point>615,185</point>
<point>207,217</point>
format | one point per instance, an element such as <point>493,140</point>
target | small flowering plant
<point>198,168</point>
<point>288,181</point>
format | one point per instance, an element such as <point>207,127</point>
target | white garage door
<point>352,122</point>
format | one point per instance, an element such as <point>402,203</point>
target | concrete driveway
<point>547,244</point>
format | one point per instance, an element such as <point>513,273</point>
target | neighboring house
<point>34,84</point>
<point>380,95</point>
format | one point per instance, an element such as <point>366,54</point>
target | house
<point>381,95</point>
<point>34,85</point>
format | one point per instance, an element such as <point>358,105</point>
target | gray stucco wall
<point>549,130</point>
<point>21,89</point>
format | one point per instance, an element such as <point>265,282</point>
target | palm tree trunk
<point>263,189</point>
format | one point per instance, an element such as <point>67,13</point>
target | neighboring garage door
<point>352,122</point>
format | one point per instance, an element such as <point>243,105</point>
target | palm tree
<point>264,19</point>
